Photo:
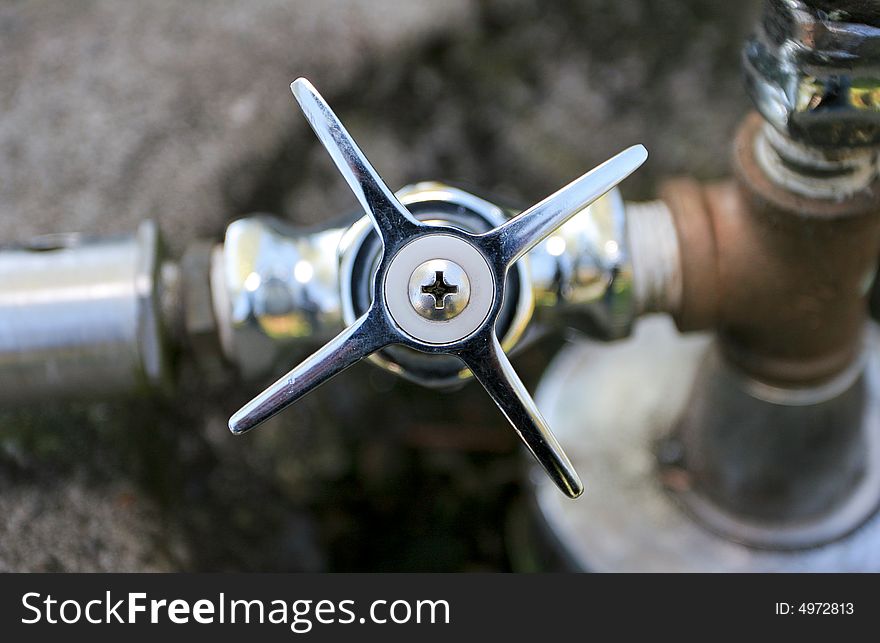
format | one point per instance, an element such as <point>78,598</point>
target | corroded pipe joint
<point>782,277</point>
<point>698,258</point>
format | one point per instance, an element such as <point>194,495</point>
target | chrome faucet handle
<point>438,289</point>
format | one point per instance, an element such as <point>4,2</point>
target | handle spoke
<point>362,338</point>
<point>516,237</point>
<point>493,370</point>
<point>390,217</point>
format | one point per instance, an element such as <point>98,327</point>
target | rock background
<point>112,112</point>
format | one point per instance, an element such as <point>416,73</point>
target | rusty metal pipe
<point>783,278</point>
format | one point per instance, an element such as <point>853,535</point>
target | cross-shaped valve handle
<point>467,327</point>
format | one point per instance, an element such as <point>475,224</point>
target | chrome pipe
<point>81,317</point>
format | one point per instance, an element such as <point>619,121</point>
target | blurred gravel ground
<point>111,112</point>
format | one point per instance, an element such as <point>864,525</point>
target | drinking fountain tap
<point>746,437</point>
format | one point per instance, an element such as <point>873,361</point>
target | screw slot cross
<point>439,290</point>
